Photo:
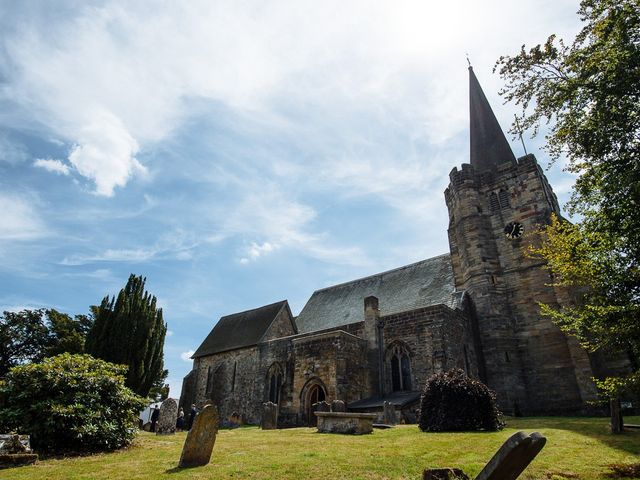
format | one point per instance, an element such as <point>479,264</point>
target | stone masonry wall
<point>231,381</point>
<point>437,338</point>
<point>529,362</point>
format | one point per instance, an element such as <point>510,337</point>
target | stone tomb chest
<point>345,422</point>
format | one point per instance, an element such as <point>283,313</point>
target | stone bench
<point>345,422</point>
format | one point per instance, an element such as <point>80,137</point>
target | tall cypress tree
<point>128,329</point>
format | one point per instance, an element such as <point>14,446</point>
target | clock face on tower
<point>513,230</point>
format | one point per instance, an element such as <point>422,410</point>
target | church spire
<point>489,147</point>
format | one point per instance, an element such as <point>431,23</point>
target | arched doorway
<point>314,393</point>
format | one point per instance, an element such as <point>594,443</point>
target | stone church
<point>379,338</point>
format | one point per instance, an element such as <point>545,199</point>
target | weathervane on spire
<point>468,61</point>
<point>520,134</point>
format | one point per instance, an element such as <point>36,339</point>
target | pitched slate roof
<point>239,330</point>
<point>421,284</point>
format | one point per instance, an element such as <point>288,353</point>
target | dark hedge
<point>453,402</point>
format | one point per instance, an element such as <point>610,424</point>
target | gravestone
<point>167,419</point>
<point>321,407</point>
<point>507,464</point>
<point>338,406</point>
<point>513,457</point>
<point>200,439</point>
<point>269,416</point>
<point>389,416</point>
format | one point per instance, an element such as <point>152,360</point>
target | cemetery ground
<point>579,448</point>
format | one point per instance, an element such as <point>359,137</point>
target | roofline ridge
<point>253,309</point>
<point>379,273</point>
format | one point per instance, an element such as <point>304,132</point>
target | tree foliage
<point>32,335</point>
<point>588,93</point>
<point>128,329</point>
<point>453,402</point>
<point>70,403</point>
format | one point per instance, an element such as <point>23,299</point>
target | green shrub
<point>453,402</point>
<point>70,403</point>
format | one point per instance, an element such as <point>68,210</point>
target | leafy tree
<point>70,403</point>
<point>24,337</point>
<point>453,402</point>
<point>66,334</point>
<point>589,95</point>
<point>32,335</point>
<point>128,329</point>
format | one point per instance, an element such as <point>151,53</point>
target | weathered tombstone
<point>513,457</point>
<point>338,406</point>
<point>200,439</point>
<point>167,419</point>
<point>389,413</point>
<point>507,464</point>
<point>269,416</point>
<point>321,407</point>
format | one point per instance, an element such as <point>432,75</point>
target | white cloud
<point>175,245</point>
<point>267,213</point>
<point>255,251</point>
<point>20,220</point>
<point>113,80</point>
<point>52,165</point>
<point>105,153</point>
<point>186,356</point>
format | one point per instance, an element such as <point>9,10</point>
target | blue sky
<point>237,153</point>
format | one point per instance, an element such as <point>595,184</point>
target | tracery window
<point>400,368</point>
<point>274,383</point>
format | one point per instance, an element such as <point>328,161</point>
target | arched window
<point>274,383</point>
<point>400,362</point>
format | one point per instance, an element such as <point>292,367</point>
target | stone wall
<point>228,379</point>
<point>437,338</point>
<point>334,359</point>
<point>528,361</point>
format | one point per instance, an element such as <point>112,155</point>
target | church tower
<point>494,202</point>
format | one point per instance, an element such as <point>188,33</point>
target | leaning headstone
<point>167,419</point>
<point>15,450</point>
<point>200,439</point>
<point>389,416</point>
<point>269,416</point>
<point>338,406</point>
<point>513,457</point>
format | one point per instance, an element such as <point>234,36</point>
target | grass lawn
<point>576,448</point>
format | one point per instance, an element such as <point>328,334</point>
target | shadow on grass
<point>628,441</point>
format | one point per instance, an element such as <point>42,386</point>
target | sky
<point>238,153</point>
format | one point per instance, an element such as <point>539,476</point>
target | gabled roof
<point>238,330</point>
<point>421,284</point>
<point>488,145</point>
